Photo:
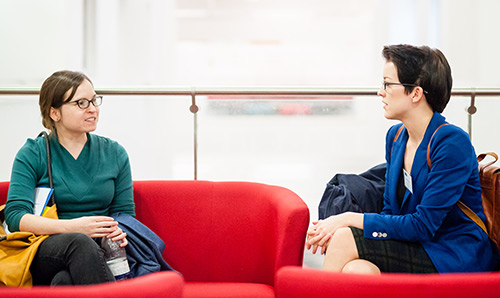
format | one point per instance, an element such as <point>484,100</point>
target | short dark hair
<point>425,67</point>
<point>53,90</point>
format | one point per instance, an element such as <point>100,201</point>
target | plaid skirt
<point>393,255</point>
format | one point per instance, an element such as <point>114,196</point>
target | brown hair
<point>53,90</point>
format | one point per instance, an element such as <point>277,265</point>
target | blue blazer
<point>430,214</point>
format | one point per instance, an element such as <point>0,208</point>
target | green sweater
<point>98,182</point>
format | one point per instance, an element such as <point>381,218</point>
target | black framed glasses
<point>385,84</point>
<point>85,103</point>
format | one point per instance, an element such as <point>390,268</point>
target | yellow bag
<point>17,251</point>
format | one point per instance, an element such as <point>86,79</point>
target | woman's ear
<point>417,94</point>
<point>55,114</point>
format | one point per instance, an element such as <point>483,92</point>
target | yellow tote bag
<point>17,251</point>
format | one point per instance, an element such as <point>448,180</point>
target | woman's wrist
<point>354,219</point>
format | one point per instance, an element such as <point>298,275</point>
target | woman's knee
<point>81,239</point>
<point>360,266</point>
<point>81,243</point>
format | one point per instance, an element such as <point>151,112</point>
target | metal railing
<point>269,92</point>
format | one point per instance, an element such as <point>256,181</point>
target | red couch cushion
<point>227,290</point>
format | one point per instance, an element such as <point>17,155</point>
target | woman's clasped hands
<point>321,232</point>
<point>318,236</point>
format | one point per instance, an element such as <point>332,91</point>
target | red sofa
<point>227,239</point>
<point>297,282</point>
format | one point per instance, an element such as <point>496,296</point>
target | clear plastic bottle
<point>116,258</point>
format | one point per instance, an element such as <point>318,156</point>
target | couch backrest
<point>223,231</point>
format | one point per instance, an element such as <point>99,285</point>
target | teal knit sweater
<point>98,182</point>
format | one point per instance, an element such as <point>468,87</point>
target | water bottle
<point>116,258</point>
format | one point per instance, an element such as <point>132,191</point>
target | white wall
<point>37,38</point>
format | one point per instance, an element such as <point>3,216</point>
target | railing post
<point>194,109</point>
<point>471,110</point>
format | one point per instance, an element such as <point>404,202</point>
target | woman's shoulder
<point>101,140</point>
<point>450,132</point>
<point>393,130</point>
<point>453,142</point>
<point>31,156</point>
<point>107,144</point>
<point>32,147</point>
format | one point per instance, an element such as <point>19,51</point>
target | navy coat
<point>145,248</point>
<point>357,193</point>
<point>430,215</point>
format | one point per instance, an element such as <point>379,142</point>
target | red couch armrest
<point>161,284</point>
<point>4,188</point>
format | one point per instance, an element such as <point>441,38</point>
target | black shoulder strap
<point>49,166</point>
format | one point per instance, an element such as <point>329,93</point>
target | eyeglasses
<point>85,103</point>
<point>385,84</point>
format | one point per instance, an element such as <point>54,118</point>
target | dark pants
<point>70,259</point>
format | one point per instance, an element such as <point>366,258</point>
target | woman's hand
<point>312,233</point>
<point>93,226</point>
<point>119,235</point>
<point>321,231</point>
<point>99,226</point>
<point>319,235</point>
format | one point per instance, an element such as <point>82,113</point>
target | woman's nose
<point>91,108</point>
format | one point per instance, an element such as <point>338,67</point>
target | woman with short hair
<point>421,229</point>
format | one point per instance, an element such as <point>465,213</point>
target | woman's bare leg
<point>341,250</point>
<point>342,255</point>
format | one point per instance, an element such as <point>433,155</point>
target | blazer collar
<point>420,160</point>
